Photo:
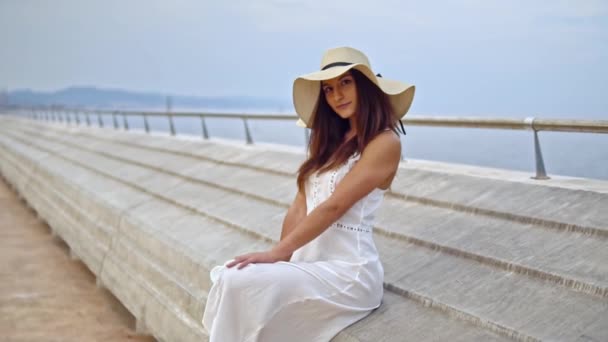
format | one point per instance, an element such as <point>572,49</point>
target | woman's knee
<point>234,279</point>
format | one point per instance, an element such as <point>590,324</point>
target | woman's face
<point>341,94</point>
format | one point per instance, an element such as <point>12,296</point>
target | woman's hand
<point>268,257</point>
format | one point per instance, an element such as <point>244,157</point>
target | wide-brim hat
<point>335,62</point>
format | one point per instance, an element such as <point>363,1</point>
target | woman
<point>325,273</point>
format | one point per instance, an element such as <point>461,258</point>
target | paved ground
<point>46,296</point>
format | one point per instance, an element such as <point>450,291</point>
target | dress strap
<point>402,128</point>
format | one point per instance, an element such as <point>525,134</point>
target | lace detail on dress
<point>353,228</point>
<point>333,177</point>
<point>350,163</point>
<point>316,184</point>
<point>316,179</point>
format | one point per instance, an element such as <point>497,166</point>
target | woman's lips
<point>342,106</point>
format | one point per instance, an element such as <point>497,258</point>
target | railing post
<point>68,119</point>
<point>171,126</point>
<point>99,120</point>
<point>124,121</point>
<point>77,118</point>
<point>204,128</point>
<point>247,133</point>
<point>146,126</point>
<point>114,119</point>
<point>86,115</point>
<point>538,155</point>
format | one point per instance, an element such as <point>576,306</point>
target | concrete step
<point>466,310</point>
<point>553,207</point>
<point>398,320</point>
<point>571,259</point>
<point>394,308</point>
<point>251,180</point>
<point>506,302</point>
<point>523,248</point>
<point>499,193</point>
<point>214,202</point>
<point>427,318</point>
<point>239,154</point>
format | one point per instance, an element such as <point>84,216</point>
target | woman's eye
<point>326,90</point>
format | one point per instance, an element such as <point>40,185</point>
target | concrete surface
<point>469,253</point>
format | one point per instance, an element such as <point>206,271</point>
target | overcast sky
<point>476,57</point>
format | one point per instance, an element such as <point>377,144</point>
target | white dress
<point>330,283</point>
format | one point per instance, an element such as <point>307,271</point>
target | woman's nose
<point>337,94</point>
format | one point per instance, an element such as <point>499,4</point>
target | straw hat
<point>334,63</point>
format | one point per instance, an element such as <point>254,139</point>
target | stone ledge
<point>157,283</point>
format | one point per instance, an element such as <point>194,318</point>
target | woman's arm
<point>378,162</point>
<point>294,215</point>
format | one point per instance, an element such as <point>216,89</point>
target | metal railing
<point>529,123</point>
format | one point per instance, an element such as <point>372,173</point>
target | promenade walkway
<point>469,254</point>
<point>44,294</point>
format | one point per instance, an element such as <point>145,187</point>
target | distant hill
<point>92,97</point>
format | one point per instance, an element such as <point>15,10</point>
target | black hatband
<point>331,65</point>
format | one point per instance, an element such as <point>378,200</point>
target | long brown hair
<point>326,149</point>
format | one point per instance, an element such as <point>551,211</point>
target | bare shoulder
<point>385,146</point>
<point>375,169</point>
